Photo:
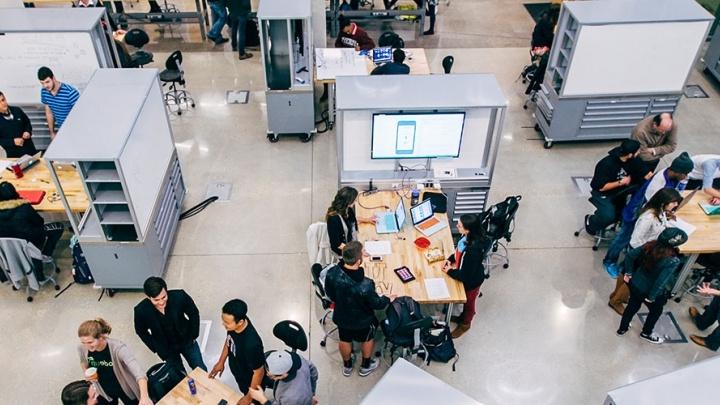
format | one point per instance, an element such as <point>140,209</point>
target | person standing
<point>243,349</point>
<point>657,136</point>
<point>218,9</point>
<point>168,322</point>
<point>239,11</point>
<point>651,272</point>
<point>15,130</point>
<point>59,99</point>
<point>355,304</point>
<point>707,319</point>
<point>294,380</point>
<point>342,224</point>
<point>118,374</point>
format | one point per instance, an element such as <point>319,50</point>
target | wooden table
<point>405,253</point>
<point>38,178</point>
<point>705,239</point>
<point>209,391</point>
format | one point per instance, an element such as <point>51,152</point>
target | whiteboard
<point>633,58</point>
<point>70,55</point>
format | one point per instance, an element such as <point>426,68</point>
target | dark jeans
<point>706,319</point>
<point>695,184</point>
<point>53,233</point>
<point>192,356</point>
<point>621,241</point>
<point>122,398</point>
<point>219,17</point>
<point>604,212</point>
<point>637,298</point>
<point>239,30</point>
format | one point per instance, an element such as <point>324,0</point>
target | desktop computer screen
<point>416,136</point>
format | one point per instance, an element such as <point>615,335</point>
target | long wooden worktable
<point>209,391</point>
<point>405,253</point>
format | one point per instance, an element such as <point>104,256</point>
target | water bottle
<point>415,197</point>
<point>191,384</point>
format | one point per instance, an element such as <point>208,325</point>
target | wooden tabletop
<point>38,178</point>
<point>706,238</point>
<point>417,61</point>
<point>405,253</point>
<point>209,391</point>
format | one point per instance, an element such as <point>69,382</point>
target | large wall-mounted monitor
<point>417,135</point>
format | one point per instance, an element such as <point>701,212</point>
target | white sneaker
<point>652,338</point>
<point>364,372</point>
<point>347,371</point>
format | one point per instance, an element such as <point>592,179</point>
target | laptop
<point>391,222</point>
<point>686,199</point>
<point>710,209</point>
<point>423,219</point>
<point>382,55</point>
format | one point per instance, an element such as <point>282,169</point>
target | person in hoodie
<point>294,380</point>
<point>352,36</point>
<point>613,175</point>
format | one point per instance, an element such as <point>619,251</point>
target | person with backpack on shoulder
<point>355,304</point>
<point>466,265</point>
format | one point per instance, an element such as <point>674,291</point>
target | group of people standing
<point>235,14</point>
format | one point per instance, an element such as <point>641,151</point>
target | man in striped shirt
<point>59,98</point>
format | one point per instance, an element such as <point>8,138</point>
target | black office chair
<point>292,334</point>
<point>138,38</point>
<point>391,39</point>
<point>499,223</point>
<point>327,304</point>
<point>608,233</point>
<point>408,335</point>
<point>174,75</point>
<point>447,63</point>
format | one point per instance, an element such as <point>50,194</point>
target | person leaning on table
<point>706,174</point>
<point>342,224</point>
<point>657,136</point>
<point>15,130</point>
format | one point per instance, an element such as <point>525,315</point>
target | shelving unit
<point>608,66</point>
<point>712,56</point>
<point>126,158</point>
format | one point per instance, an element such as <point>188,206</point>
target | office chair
<point>292,334</point>
<point>408,336</point>
<point>391,39</point>
<point>499,223</point>
<point>327,304</point>
<point>447,63</point>
<point>16,255</point>
<point>608,233</point>
<point>138,38</point>
<point>175,75</point>
<point>538,77</point>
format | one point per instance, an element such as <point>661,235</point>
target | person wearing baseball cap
<point>294,380</point>
<point>651,270</point>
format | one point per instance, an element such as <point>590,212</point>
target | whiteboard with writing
<point>70,55</point>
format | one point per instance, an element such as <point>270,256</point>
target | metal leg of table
<point>678,290</point>
<point>449,313</point>
<point>331,104</point>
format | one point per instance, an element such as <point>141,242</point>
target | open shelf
<point>107,193</point>
<point>114,214</point>
<point>120,233</point>
<point>100,172</point>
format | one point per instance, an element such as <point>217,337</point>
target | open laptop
<point>423,219</point>
<point>382,55</point>
<point>686,199</point>
<point>391,222</point>
<point>710,209</point>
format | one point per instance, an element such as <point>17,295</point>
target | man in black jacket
<point>355,302</point>
<point>15,130</point>
<point>239,11</point>
<point>168,322</point>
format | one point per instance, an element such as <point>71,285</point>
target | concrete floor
<point>543,333</point>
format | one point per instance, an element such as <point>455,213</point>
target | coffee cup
<point>91,374</point>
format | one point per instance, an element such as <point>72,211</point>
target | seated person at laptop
<point>15,130</point>
<point>466,265</point>
<point>20,220</point>
<point>706,173</point>
<point>396,67</point>
<point>342,224</point>
<point>352,36</point>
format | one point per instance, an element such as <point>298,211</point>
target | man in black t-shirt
<point>614,173</point>
<point>243,349</point>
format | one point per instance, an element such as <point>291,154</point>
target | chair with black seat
<point>16,261</point>
<point>608,233</point>
<point>138,38</point>
<point>447,63</point>
<point>412,327</point>
<point>327,304</point>
<point>391,39</point>
<point>499,223</point>
<point>174,75</point>
<point>292,334</point>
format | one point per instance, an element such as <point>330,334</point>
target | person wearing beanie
<point>651,271</point>
<point>657,136</point>
<point>613,175</point>
<point>294,380</point>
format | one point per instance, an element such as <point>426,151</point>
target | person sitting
<point>15,130</point>
<point>79,393</point>
<point>396,67</point>
<point>355,304</point>
<point>651,222</point>
<point>657,136</point>
<point>706,174</point>
<point>294,380</point>
<point>342,224</point>
<point>352,36</point>
<point>707,318</point>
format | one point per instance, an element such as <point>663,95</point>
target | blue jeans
<point>219,16</point>
<point>192,355</point>
<point>621,241</point>
<point>239,30</point>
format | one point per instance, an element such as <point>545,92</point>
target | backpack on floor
<point>81,270</point>
<point>440,346</point>
<point>162,378</point>
<point>401,312</point>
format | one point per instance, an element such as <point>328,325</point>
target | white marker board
<point>633,58</point>
<point>70,55</point>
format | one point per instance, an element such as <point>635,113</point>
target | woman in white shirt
<point>652,221</point>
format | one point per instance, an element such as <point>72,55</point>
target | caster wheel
<point>323,343</point>
<point>577,233</point>
<point>524,107</point>
<point>29,299</point>
<point>192,105</point>
<point>57,288</point>
<point>524,81</point>
<point>677,299</point>
<point>595,248</point>
<point>111,293</point>
<point>273,138</point>
<point>179,112</point>
<point>14,288</point>
<point>305,138</point>
<point>537,127</point>
<point>57,270</point>
<point>495,249</point>
<point>547,145</point>
<point>505,266</point>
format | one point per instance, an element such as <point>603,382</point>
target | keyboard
<point>389,222</point>
<point>429,223</point>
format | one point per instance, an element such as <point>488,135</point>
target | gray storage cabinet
<point>125,155</point>
<point>286,46</point>
<point>712,56</point>
<point>614,63</point>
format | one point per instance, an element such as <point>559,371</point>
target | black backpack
<point>391,39</point>
<point>162,378</point>
<point>401,312</point>
<point>440,346</point>
<point>81,270</point>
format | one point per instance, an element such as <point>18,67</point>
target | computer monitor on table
<point>417,135</point>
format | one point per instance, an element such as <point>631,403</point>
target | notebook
<point>33,196</point>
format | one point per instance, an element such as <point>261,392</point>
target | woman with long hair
<point>118,375</point>
<point>651,272</point>
<point>466,265</point>
<point>342,224</point>
<point>651,222</point>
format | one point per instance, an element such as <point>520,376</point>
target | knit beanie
<point>682,164</point>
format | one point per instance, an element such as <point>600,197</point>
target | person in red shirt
<point>352,36</point>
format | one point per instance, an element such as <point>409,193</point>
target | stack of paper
<point>378,247</point>
<point>436,288</point>
<point>682,224</point>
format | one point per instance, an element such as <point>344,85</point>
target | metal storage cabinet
<point>126,158</point>
<point>608,67</point>
<point>286,46</point>
<point>712,56</point>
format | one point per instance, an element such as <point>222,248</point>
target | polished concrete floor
<point>543,333</point>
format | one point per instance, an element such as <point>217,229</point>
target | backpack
<point>162,378</point>
<point>497,220</point>
<point>440,346</point>
<point>81,271</point>
<point>401,312</point>
<point>391,39</point>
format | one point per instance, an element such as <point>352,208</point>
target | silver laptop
<point>423,219</point>
<point>391,222</point>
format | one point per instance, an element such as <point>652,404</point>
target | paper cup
<point>91,374</point>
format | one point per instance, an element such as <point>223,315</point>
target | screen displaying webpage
<point>408,136</point>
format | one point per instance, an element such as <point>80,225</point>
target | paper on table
<point>4,164</point>
<point>682,224</point>
<point>378,247</point>
<point>436,288</point>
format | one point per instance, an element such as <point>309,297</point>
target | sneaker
<point>652,338</point>
<point>246,55</point>
<point>347,371</point>
<point>429,32</point>
<point>220,40</point>
<point>364,372</point>
<point>621,332</point>
<point>612,269</point>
